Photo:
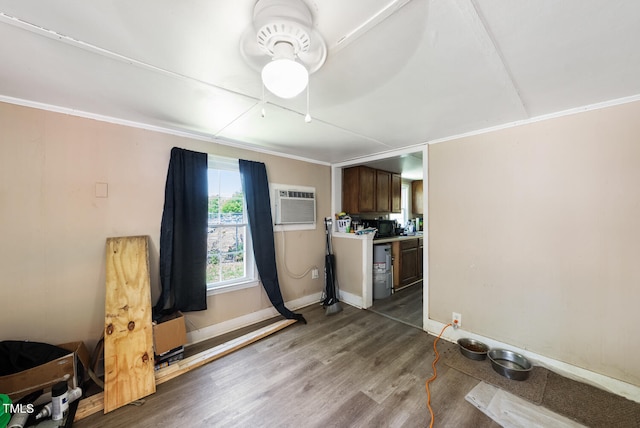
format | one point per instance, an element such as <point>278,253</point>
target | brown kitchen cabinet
<point>420,257</point>
<point>407,265</point>
<point>396,193</point>
<point>358,189</point>
<point>367,189</point>
<point>383,191</point>
<point>416,196</point>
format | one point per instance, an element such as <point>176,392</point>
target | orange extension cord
<point>435,375</point>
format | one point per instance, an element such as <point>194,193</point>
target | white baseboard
<point>615,386</point>
<point>606,383</point>
<point>212,331</point>
<point>350,299</point>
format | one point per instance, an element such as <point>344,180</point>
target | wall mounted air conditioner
<point>295,206</point>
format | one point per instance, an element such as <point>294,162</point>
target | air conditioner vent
<point>294,206</point>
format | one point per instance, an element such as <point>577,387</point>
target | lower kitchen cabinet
<point>407,262</point>
<point>420,257</point>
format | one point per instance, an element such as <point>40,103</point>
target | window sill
<point>232,287</point>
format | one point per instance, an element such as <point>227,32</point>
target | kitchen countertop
<point>397,238</point>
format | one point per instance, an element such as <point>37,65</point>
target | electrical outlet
<point>456,320</point>
<point>314,274</point>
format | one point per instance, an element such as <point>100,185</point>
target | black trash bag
<point>17,356</point>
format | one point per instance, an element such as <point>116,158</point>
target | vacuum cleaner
<point>330,302</point>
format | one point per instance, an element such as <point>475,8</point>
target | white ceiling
<point>398,73</point>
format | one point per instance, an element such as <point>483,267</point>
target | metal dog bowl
<point>473,349</point>
<point>510,364</point>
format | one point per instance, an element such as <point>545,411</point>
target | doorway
<point>405,305</point>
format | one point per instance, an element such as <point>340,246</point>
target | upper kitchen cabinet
<point>367,189</point>
<point>396,193</point>
<point>416,196</point>
<point>383,191</point>
<point>358,189</point>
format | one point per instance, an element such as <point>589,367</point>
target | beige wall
<point>535,237</point>
<point>53,227</point>
<point>349,264</point>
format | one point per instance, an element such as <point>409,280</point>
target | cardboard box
<point>44,376</point>
<point>169,333</point>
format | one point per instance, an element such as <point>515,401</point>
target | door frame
<point>336,206</point>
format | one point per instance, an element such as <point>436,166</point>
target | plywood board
<point>128,337</point>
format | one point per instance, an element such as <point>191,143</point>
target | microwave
<point>386,228</point>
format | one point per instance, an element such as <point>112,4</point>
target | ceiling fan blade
<point>367,25</point>
<point>251,51</point>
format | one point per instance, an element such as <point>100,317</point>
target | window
<point>402,217</point>
<point>229,255</point>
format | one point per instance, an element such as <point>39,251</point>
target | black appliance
<point>386,228</point>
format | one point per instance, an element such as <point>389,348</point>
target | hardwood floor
<point>352,369</point>
<point>404,305</point>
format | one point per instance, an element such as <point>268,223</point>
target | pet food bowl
<point>510,364</point>
<point>473,349</point>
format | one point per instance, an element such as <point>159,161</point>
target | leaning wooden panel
<point>128,335</point>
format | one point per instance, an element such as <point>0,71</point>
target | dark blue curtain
<point>256,192</point>
<point>183,234</point>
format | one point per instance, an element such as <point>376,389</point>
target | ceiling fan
<point>283,46</point>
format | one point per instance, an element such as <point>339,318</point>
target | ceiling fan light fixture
<point>283,75</point>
